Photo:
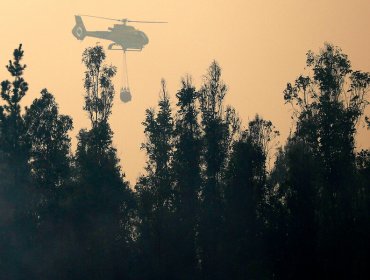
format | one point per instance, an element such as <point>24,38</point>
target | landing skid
<point>117,47</point>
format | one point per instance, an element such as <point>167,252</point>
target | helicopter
<point>123,37</point>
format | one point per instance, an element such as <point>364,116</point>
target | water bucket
<point>125,95</point>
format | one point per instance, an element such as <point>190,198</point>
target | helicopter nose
<point>144,37</point>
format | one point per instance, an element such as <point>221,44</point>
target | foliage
<point>50,143</point>
<point>208,204</point>
<point>98,85</point>
<point>155,192</point>
<point>16,231</point>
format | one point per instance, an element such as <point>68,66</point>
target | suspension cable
<point>125,75</point>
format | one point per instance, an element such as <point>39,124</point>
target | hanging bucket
<point>125,95</point>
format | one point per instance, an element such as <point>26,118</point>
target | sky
<point>260,45</point>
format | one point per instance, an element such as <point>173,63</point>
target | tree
<point>187,180</point>
<point>242,201</point>
<point>50,143</point>
<point>102,199</point>
<point>16,227</point>
<point>155,193</point>
<point>245,200</point>
<point>328,104</point>
<point>98,85</point>
<point>362,215</point>
<point>13,143</point>
<point>263,134</point>
<point>216,140</point>
<point>50,164</point>
<point>291,216</point>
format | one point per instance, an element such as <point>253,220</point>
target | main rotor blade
<point>102,18</point>
<point>124,20</point>
<point>144,21</point>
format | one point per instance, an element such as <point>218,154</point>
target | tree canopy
<point>216,199</point>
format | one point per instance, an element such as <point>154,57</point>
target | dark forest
<point>218,199</point>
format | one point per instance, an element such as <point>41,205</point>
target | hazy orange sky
<point>260,45</point>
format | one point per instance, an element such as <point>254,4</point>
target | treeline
<point>208,205</point>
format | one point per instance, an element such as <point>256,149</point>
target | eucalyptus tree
<point>155,193</point>
<point>328,103</point>
<point>218,126</point>
<point>102,197</point>
<point>50,166</point>
<point>187,179</point>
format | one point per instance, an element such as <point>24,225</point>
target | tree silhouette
<point>98,85</point>
<point>293,223</point>
<point>50,143</point>
<point>329,102</point>
<point>243,196</point>
<point>102,198</point>
<point>187,180</point>
<point>209,204</point>
<point>362,216</point>
<point>155,192</point>
<point>215,142</point>
<point>50,164</point>
<point>16,226</point>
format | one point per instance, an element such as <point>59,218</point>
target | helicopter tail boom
<point>79,30</point>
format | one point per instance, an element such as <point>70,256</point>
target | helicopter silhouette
<point>124,37</point>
